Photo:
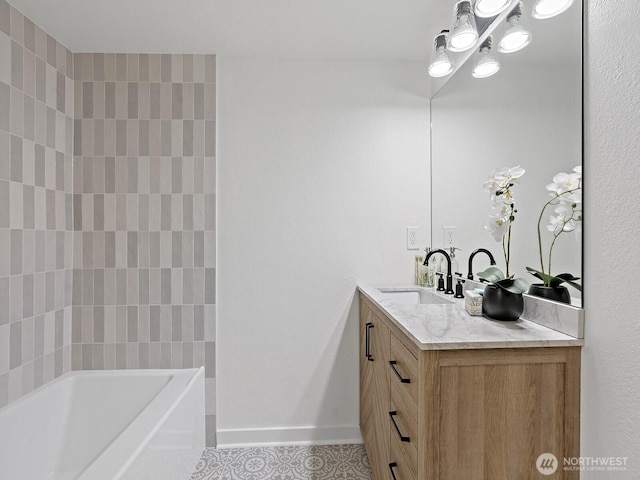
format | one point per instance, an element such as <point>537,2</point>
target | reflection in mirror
<point>529,114</point>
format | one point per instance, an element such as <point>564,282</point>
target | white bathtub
<point>106,425</point>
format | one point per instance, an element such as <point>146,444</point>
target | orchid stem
<point>555,237</point>
<point>550,202</point>
<point>540,235</point>
<point>508,255</point>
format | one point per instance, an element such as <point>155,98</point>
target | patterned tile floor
<point>323,462</point>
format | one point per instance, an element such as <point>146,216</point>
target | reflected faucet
<point>449,289</point>
<point>473,254</point>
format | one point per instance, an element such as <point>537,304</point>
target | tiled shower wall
<point>36,228</point>
<point>144,214</point>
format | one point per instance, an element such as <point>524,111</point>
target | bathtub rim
<point>143,428</point>
<point>81,373</point>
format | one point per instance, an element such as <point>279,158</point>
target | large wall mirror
<point>527,114</point>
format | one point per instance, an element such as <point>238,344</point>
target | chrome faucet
<point>449,289</point>
<point>473,254</point>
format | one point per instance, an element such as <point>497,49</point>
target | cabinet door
<point>501,409</point>
<point>374,390</point>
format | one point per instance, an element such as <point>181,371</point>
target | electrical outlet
<point>413,238</point>
<point>449,236</point>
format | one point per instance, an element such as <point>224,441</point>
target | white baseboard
<point>286,436</point>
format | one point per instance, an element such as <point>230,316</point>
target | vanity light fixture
<point>543,9</point>
<point>486,64</point>
<point>464,33</point>
<point>441,64</point>
<point>516,37</point>
<point>490,8</point>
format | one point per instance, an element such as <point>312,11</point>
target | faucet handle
<point>459,293</point>
<point>440,283</point>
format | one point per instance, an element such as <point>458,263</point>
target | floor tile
<point>322,462</point>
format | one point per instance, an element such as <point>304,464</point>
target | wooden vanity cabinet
<point>464,414</point>
<point>374,389</point>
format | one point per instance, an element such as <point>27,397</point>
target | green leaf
<point>566,278</point>
<point>492,274</point>
<point>556,280</point>
<point>538,274</point>
<point>513,285</point>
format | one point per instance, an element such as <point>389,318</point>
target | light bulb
<point>464,32</point>
<point>516,37</point>
<point>441,65</point>
<point>490,8</point>
<point>486,64</point>
<point>440,68</point>
<point>543,9</point>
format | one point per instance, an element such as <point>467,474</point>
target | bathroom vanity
<point>444,395</point>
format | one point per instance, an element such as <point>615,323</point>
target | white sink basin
<point>411,296</point>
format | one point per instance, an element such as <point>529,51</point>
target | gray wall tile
<point>165,73</point>
<point>176,323</point>
<point>27,297</point>
<point>5,110</point>
<point>87,99</point>
<point>132,109</point>
<point>5,151</point>
<point>4,299</point>
<point>143,67</point>
<point>37,158</point>
<point>4,201</point>
<point>4,17</point>
<point>121,67</point>
<point>176,101</point>
<point>16,158</point>
<point>15,345</point>
<point>16,252</point>
<point>16,65</point>
<point>110,100</point>
<point>209,68</point>
<point>165,355</point>
<point>142,201</point>
<point>132,67</point>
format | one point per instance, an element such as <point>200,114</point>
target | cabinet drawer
<point>404,438</point>
<point>405,462</point>
<point>404,370</point>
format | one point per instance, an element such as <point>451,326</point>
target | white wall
<point>321,167</point>
<point>611,358</point>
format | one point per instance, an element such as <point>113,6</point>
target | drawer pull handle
<point>367,342</point>
<point>393,465</point>
<point>393,364</point>
<point>402,437</point>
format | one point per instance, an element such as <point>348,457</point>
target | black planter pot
<point>558,294</point>
<point>500,304</point>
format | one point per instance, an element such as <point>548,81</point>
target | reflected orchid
<point>566,198</point>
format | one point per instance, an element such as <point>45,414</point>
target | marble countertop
<point>449,327</point>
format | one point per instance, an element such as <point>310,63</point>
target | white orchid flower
<point>497,226</point>
<point>507,176</point>
<point>560,223</point>
<point>492,185</point>
<point>565,182</point>
<point>501,209</point>
<point>507,197</point>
